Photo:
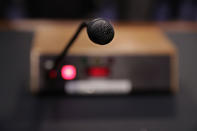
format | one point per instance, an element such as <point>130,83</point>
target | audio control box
<point>139,59</point>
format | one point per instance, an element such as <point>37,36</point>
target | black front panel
<point>143,73</point>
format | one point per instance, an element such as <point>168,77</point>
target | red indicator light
<point>98,71</point>
<point>68,72</point>
<point>53,74</point>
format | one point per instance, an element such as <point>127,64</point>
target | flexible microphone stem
<point>66,49</point>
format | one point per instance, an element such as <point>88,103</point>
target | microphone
<point>100,31</point>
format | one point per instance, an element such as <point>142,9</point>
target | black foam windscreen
<point>100,31</point>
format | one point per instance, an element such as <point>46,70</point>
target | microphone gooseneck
<point>99,31</point>
<point>65,51</point>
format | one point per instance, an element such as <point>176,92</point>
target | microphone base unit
<point>140,59</point>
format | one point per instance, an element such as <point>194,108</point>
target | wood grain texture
<point>128,40</point>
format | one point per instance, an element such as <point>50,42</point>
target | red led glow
<point>53,74</point>
<point>68,72</point>
<point>98,71</point>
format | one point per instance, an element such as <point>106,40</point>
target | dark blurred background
<point>146,10</point>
